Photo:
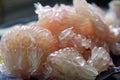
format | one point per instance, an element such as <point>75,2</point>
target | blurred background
<point>12,10</point>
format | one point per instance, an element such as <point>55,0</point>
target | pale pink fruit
<point>80,16</point>
<point>68,64</point>
<point>100,59</point>
<point>25,49</point>
<point>84,45</point>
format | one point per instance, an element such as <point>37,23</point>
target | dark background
<point>11,10</point>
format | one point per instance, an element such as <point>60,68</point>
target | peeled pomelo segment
<point>101,29</point>
<point>24,49</point>
<point>84,45</point>
<point>54,18</point>
<point>67,37</point>
<point>100,59</point>
<point>68,64</point>
<point>61,17</point>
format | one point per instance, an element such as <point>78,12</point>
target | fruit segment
<point>25,49</point>
<point>84,45</point>
<point>68,64</point>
